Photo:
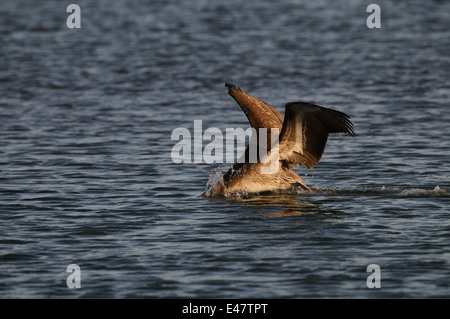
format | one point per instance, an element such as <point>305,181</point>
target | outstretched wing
<point>305,132</point>
<point>259,113</point>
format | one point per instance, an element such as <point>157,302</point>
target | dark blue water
<point>87,178</point>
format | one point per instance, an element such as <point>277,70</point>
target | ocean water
<point>87,177</point>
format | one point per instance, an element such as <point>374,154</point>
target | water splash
<point>216,178</point>
<point>382,191</point>
<point>214,181</point>
<point>418,192</point>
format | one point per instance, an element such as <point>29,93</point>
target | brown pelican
<point>303,134</point>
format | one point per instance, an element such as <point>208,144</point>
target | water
<point>86,175</point>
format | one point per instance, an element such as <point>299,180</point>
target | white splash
<point>380,191</point>
<point>437,191</point>
<point>214,180</point>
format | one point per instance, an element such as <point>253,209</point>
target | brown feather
<point>305,132</point>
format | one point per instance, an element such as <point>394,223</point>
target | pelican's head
<point>232,87</point>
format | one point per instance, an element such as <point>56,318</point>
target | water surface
<point>86,175</point>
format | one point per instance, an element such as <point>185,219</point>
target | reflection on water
<point>279,205</point>
<point>283,204</point>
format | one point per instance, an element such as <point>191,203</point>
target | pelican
<point>303,134</point>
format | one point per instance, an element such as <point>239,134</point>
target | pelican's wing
<point>305,132</point>
<point>259,113</point>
